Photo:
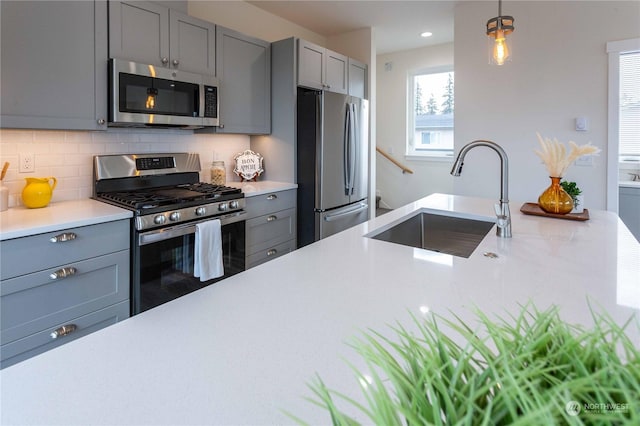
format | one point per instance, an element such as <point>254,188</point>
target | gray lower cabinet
<point>61,285</point>
<point>54,64</point>
<point>243,66</point>
<point>629,209</point>
<point>271,226</point>
<point>154,34</point>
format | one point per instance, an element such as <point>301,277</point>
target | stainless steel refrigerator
<point>332,163</point>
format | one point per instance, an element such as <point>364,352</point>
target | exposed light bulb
<point>500,48</point>
<point>151,102</point>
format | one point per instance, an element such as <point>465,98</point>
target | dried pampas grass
<point>555,158</point>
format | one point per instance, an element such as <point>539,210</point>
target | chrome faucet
<point>503,213</point>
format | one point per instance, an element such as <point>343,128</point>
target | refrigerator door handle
<point>353,141</point>
<point>357,209</point>
<point>346,139</point>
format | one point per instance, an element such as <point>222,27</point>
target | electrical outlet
<point>27,163</point>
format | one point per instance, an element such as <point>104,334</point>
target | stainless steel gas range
<point>168,200</point>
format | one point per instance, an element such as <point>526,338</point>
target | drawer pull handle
<point>272,197</point>
<point>272,218</point>
<point>63,331</point>
<point>272,252</point>
<point>61,238</point>
<point>63,273</point>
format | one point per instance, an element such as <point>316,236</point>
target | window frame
<point>614,50</point>
<point>411,152</point>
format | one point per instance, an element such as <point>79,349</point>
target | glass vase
<point>555,199</point>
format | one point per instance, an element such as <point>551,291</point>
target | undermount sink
<point>452,235</point>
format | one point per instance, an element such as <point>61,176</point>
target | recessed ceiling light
<point>426,34</point>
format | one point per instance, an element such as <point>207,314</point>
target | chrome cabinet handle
<point>165,60</point>
<point>63,273</point>
<point>176,62</point>
<point>61,238</point>
<point>272,252</point>
<point>272,218</point>
<point>101,121</point>
<point>63,331</point>
<point>272,197</point>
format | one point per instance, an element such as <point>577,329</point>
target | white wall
<point>558,72</point>
<point>396,188</point>
<point>250,20</point>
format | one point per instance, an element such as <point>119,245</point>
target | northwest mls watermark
<point>574,408</point>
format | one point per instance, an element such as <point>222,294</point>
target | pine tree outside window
<point>431,108</point>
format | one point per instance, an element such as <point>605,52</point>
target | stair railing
<point>402,167</point>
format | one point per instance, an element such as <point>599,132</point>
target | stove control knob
<point>223,207</point>
<point>174,216</point>
<point>159,220</point>
<point>233,204</point>
<point>201,211</point>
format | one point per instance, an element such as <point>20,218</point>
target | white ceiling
<point>398,24</point>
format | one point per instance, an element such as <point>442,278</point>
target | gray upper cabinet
<point>320,68</point>
<point>54,64</point>
<point>244,71</point>
<point>153,34</point>
<point>357,79</point>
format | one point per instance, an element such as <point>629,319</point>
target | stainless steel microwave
<point>152,96</point>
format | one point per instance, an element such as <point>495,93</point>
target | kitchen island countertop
<point>242,351</point>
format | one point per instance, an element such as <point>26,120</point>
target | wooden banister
<point>394,161</point>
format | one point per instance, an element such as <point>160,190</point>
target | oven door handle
<point>156,235</point>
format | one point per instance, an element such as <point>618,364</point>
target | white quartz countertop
<point>243,350</point>
<point>21,221</point>
<point>251,189</point>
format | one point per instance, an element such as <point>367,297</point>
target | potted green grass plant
<point>528,369</point>
<point>572,189</point>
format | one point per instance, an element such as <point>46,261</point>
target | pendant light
<point>497,29</point>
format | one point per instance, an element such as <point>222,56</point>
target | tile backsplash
<point>68,155</point>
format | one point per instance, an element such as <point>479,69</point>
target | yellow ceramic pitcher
<point>37,192</point>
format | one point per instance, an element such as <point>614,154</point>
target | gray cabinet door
<point>54,64</point>
<point>336,72</point>
<point>139,31</point>
<point>357,79</point>
<point>311,65</point>
<point>153,34</point>
<point>244,71</point>
<point>192,44</point>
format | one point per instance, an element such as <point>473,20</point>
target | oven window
<point>166,267</point>
<point>148,95</point>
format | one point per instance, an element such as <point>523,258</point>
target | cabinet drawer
<point>271,202</point>
<point>37,252</point>
<point>270,253</point>
<point>269,230</point>
<point>33,302</point>
<point>42,341</point>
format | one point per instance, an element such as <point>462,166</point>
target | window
<point>623,129</point>
<point>629,131</point>
<point>431,103</point>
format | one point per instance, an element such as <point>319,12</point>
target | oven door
<point>163,261</point>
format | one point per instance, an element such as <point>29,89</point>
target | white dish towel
<point>208,251</point>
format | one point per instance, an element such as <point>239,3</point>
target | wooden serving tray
<point>536,210</point>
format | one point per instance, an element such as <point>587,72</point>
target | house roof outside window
<point>434,121</point>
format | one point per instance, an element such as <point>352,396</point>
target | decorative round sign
<point>248,165</point>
